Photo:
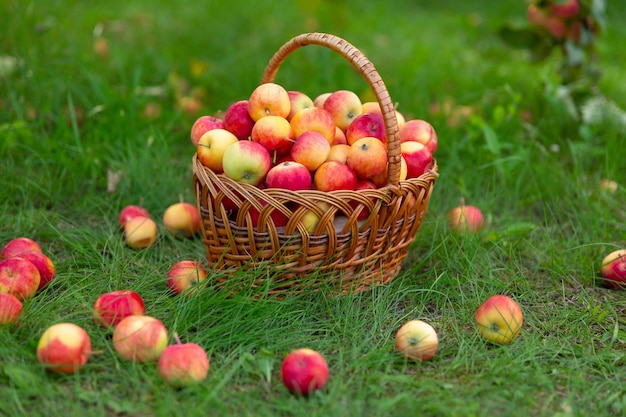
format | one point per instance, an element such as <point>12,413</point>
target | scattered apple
<point>202,125</point>
<point>344,106</point>
<point>183,364</point>
<point>310,149</point>
<point>211,148</point>
<point>613,269</point>
<point>183,275</point>
<point>45,266</point>
<point>247,161</point>
<point>417,340</point>
<point>237,120</point>
<point>466,219</point>
<point>314,119</point>
<point>130,211</point>
<point>112,307</point>
<point>269,99</point>
<point>10,308</point>
<point>499,319</point>
<point>140,338</point>
<point>140,232</point>
<point>19,277</point>
<point>182,219</point>
<point>19,245</point>
<point>304,371</point>
<point>367,157</point>
<point>333,175</point>
<point>64,348</point>
<point>290,175</point>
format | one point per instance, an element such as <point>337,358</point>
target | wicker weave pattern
<point>360,240</point>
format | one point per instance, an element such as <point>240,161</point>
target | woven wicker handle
<point>367,70</point>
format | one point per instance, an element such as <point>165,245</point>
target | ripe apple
<point>140,338</point>
<point>140,232</point>
<point>130,211</point>
<point>367,157</point>
<point>184,275</point>
<point>10,308</point>
<point>381,179</point>
<point>183,364</point>
<point>466,219</point>
<point>613,269</point>
<point>211,148</point>
<point>310,149</point>
<point>310,219</point>
<point>19,245</point>
<point>333,175</point>
<point>499,319</point>
<point>274,133</point>
<point>202,125</point>
<point>112,307</point>
<point>339,153</point>
<point>299,101</point>
<point>421,131</point>
<point>304,371</point>
<point>237,120</point>
<point>555,26</point>
<point>340,137</point>
<point>182,219</point>
<point>45,266</point>
<point>417,156</point>
<point>417,340</point>
<point>320,99</point>
<point>64,348</point>
<point>290,175</point>
<point>19,277</point>
<point>269,99</point>
<point>367,125</point>
<point>314,119</point>
<point>371,107</point>
<point>564,9</point>
<point>247,161</point>
<point>363,184</point>
<point>344,106</point>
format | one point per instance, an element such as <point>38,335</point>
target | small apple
<point>311,149</point>
<point>314,119</point>
<point>339,153</point>
<point>183,275</point>
<point>211,148</point>
<point>112,307</point>
<point>237,120</point>
<point>299,101</point>
<point>130,211</point>
<point>140,338</point>
<point>421,131</point>
<point>19,245</point>
<point>613,269</point>
<point>247,161</point>
<point>417,156</point>
<point>417,340</point>
<point>269,99</point>
<point>182,219</point>
<point>45,266</point>
<point>311,218</point>
<point>367,125</point>
<point>371,107</point>
<point>274,133</point>
<point>183,364</point>
<point>344,106</point>
<point>19,277</point>
<point>499,319</point>
<point>202,125</point>
<point>304,371</point>
<point>333,175</point>
<point>340,137</point>
<point>367,157</point>
<point>290,175</point>
<point>466,219</point>
<point>10,308</point>
<point>319,100</point>
<point>64,348</point>
<point>140,232</point>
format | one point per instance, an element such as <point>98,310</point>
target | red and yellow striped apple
<point>417,340</point>
<point>19,277</point>
<point>183,364</point>
<point>314,119</point>
<point>290,175</point>
<point>140,338</point>
<point>269,99</point>
<point>237,120</point>
<point>499,319</point>
<point>10,308</point>
<point>247,161</point>
<point>310,149</point>
<point>112,307</point>
<point>19,245</point>
<point>211,148</point>
<point>333,175</point>
<point>367,157</point>
<point>64,348</point>
<point>613,269</point>
<point>182,219</point>
<point>140,232</point>
<point>344,106</point>
<point>183,275</point>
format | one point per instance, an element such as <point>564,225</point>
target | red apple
<point>564,9</point>
<point>339,153</point>
<point>140,232</point>
<point>367,157</point>
<point>131,211</point>
<point>211,148</point>
<point>19,277</point>
<point>333,175</point>
<point>140,338</point>
<point>64,348</point>
<point>304,371</point>
<point>183,364</point>
<point>202,125</point>
<point>269,99</point>
<point>112,307</point>
<point>276,216</point>
<point>247,161</point>
<point>499,319</point>
<point>340,137</point>
<point>417,340</point>
<point>314,119</point>
<point>289,175</point>
<point>555,26</point>
<point>310,149</point>
<point>418,158</point>
<point>466,219</point>
<point>182,219</point>
<point>10,308</point>
<point>183,275</point>
<point>17,246</point>
<point>344,106</point>
<point>367,125</point>
<point>237,120</point>
<point>45,266</point>
<point>274,133</point>
<point>421,131</point>
<point>613,269</point>
<point>299,101</point>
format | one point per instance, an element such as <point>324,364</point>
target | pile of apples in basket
<point>285,139</point>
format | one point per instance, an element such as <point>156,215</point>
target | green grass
<point>67,117</point>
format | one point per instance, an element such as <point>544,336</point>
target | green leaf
<point>519,37</point>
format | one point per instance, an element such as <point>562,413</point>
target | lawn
<point>84,133</point>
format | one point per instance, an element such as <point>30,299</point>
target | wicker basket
<point>359,241</point>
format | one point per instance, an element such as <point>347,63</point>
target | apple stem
<point>177,339</point>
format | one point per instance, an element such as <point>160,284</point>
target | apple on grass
<point>367,157</point>
<point>314,119</point>
<point>310,149</point>
<point>269,99</point>
<point>19,245</point>
<point>290,175</point>
<point>10,309</point>
<point>182,219</point>
<point>247,161</point>
<point>421,131</point>
<point>45,266</point>
<point>140,338</point>
<point>367,125</point>
<point>344,106</point>
<point>202,125</point>
<point>418,158</point>
<point>466,219</point>
<point>130,211</point>
<point>274,133</point>
<point>613,269</point>
<point>237,120</point>
<point>211,148</point>
<point>499,319</point>
<point>64,348</point>
<point>19,277</point>
<point>417,340</point>
<point>183,364</point>
<point>183,275</point>
<point>140,232</point>
<point>333,175</point>
<point>112,307</point>
<point>299,101</point>
<point>304,371</point>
